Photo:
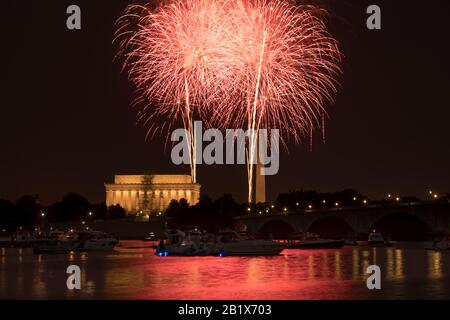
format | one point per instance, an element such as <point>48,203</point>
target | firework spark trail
<point>286,64</point>
<point>176,56</point>
<point>233,63</point>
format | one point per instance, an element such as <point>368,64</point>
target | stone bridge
<point>391,218</point>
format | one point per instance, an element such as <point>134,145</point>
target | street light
<point>90,213</point>
<point>397,199</point>
<point>324,201</point>
<point>337,204</point>
<point>365,201</point>
<point>435,196</point>
<point>43,214</point>
<point>310,206</point>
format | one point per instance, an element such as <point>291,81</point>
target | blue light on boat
<point>162,253</point>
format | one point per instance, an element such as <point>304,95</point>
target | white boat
<point>312,241</point>
<point>230,243</point>
<point>151,237</point>
<point>55,242</point>
<point>94,241</point>
<point>438,241</point>
<point>188,243</point>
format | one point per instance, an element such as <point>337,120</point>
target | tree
<point>227,208</point>
<point>206,214</point>
<point>27,210</point>
<point>99,211</point>
<point>73,207</point>
<point>8,214</point>
<point>116,212</point>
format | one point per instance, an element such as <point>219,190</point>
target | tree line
<point>27,212</point>
<point>207,214</point>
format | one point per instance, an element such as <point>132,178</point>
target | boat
<point>60,242</point>
<point>231,243</point>
<point>91,240</point>
<point>151,236</point>
<point>22,239</point>
<point>47,245</point>
<point>376,239</point>
<point>351,242</point>
<point>312,241</point>
<point>5,240</point>
<point>438,241</point>
<point>186,243</point>
<point>56,242</point>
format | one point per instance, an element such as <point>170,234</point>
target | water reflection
<point>310,267</point>
<point>408,271</point>
<point>399,264</point>
<point>389,263</point>
<point>434,264</point>
<point>355,264</point>
<point>337,265</point>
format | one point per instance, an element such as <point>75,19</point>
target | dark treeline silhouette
<point>207,214</point>
<point>27,212</point>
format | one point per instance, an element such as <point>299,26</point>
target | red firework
<point>177,57</point>
<point>233,63</point>
<point>287,64</point>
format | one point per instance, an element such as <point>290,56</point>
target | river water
<point>407,272</point>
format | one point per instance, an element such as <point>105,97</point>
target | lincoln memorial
<point>150,193</point>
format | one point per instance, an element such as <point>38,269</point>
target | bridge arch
<point>275,228</point>
<point>393,225</point>
<point>331,227</point>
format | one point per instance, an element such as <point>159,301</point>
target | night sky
<point>67,124</point>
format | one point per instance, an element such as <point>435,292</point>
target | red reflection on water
<point>295,274</point>
<point>135,273</point>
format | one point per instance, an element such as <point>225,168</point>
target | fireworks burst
<point>288,65</point>
<point>176,56</point>
<point>233,63</point>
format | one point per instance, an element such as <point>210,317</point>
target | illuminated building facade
<point>150,193</point>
